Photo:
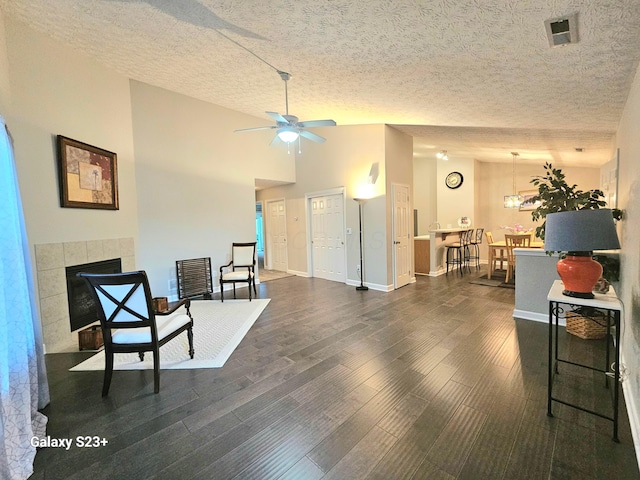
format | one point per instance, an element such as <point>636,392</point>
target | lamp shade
<point>580,231</point>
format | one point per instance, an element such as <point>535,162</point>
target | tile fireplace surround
<point>51,261</point>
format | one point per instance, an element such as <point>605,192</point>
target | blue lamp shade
<point>580,231</point>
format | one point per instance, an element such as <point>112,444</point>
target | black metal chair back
<point>130,323</point>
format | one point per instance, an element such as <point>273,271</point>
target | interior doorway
<point>260,236</point>
<point>275,236</point>
<point>327,226</point>
<point>400,211</point>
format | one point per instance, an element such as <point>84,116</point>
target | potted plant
<point>556,195</point>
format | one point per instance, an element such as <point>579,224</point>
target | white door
<point>401,239</point>
<point>327,237</point>
<point>276,255</point>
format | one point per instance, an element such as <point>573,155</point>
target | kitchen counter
<point>422,254</point>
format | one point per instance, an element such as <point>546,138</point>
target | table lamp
<point>579,233</point>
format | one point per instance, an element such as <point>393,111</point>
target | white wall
<point>628,142</point>
<point>5,92</point>
<point>454,203</point>
<point>196,180</point>
<point>57,91</point>
<point>425,194</point>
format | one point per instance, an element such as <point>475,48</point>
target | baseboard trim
<point>372,286</point>
<point>632,412</point>
<point>535,316</point>
<point>299,274</point>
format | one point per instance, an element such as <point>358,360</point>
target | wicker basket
<point>590,325</point>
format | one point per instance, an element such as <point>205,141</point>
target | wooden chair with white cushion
<point>130,323</point>
<point>241,268</point>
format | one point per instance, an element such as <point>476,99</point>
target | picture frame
<point>88,175</point>
<point>527,204</point>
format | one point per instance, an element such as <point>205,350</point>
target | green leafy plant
<point>556,195</point>
<point>610,266</point>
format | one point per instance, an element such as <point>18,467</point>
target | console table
<point>611,306</point>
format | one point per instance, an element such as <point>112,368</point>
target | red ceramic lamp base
<point>579,274</point>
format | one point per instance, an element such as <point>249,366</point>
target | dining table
<point>501,246</point>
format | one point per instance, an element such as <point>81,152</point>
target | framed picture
<point>88,175</point>
<point>527,204</point>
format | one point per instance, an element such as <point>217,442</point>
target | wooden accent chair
<point>514,241</point>
<point>241,268</point>
<point>129,322</point>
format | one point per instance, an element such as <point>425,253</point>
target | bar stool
<point>457,253</point>
<point>475,242</point>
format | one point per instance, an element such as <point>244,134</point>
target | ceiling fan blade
<point>277,117</point>
<point>317,123</point>
<point>312,136</point>
<point>276,141</point>
<point>255,128</point>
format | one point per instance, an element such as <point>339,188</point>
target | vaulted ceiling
<point>475,77</point>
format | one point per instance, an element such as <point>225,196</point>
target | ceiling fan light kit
<point>288,134</point>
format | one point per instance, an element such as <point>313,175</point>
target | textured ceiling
<point>474,77</point>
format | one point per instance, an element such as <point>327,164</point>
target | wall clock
<point>454,180</point>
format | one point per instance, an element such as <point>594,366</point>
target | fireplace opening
<point>82,307</point>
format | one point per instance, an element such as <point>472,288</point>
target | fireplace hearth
<point>82,307</point>
<point>51,260</point>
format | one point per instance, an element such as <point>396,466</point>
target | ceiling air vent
<point>562,31</point>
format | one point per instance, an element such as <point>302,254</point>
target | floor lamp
<point>362,286</point>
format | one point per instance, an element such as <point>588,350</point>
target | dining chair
<point>514,241</point>
<point>495,254</point>
<point>130,323</point>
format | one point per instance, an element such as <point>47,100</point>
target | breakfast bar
<point>439,239</point>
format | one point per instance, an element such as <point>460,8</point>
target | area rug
<point>218,328</point>
<point>497,280</point>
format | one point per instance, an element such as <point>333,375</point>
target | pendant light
<point>514,200</point>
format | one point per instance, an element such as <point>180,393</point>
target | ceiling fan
<point>288,128</point>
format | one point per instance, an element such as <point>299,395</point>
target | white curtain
<point>23,379</point>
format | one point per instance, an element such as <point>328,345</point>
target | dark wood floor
<point>433,381</point>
